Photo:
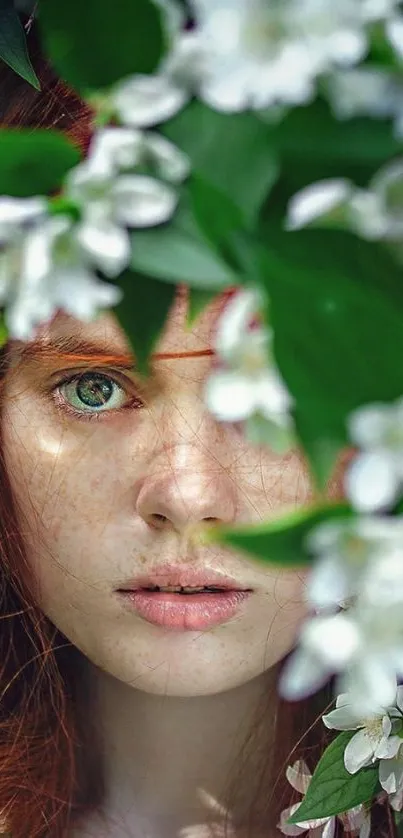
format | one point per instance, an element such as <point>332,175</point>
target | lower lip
<point>186,612</point>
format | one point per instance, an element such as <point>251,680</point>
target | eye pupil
<point>94,389</point>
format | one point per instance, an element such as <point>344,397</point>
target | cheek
<point>62,486</point>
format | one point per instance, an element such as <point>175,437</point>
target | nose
<point>186,484</point>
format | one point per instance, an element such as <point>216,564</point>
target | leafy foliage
<point>96,43</point>
<point>34,164</point>
<point>282,541</point>
<point>13,45</point>
<point>332,789</point>
<point>142,312</point>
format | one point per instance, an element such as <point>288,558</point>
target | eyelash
<point>87,415</point>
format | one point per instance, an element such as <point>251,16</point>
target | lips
<point>183,580</point>
<point>184,599</point>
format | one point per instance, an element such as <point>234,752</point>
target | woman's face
<point>124,485</point>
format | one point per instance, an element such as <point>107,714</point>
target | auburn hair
<point>49,770</point>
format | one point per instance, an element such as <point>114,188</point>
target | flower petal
<point>371,482</point>
<point>391,774</point>
<point>290,828</point>
<point>299,776</point>
<point>105,244</point>
<point>14,212</point>
<point>335,639</point>
<point>342,718</point>
<point>143,101</point>
<point>388,747</point>
<point>142,201</point>
<point>172,163</point>
<point>116,148</point>
<point>359,752</point>
<point>229,396</point>
<point>302,675</point>
<point>316,201</point>
<point>329,829</point>
<point>273,398</point>
<point>368,425</point>
<point>235,321</point>
<point>80,293</point>
<point>328,583</point>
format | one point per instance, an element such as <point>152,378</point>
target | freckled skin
<point>88,494</point>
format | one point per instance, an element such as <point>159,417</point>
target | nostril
<point>157,520</point>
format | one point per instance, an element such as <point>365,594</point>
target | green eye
<point>93,391</point>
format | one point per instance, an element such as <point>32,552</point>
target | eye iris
<point>94,390</point>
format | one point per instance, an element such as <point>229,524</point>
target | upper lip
<point>187,577</point>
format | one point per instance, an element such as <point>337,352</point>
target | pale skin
<point>101,501</point>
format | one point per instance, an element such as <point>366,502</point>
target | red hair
<point>49,775</point>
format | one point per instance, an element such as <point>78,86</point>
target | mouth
<point>185,600</point>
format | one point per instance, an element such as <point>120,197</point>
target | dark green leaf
<point>179,252</point>
<point>142,312</point>
<point>313,133</point>
<point>233,152</point>
<point>332,789</point>
<point>218,217</point>
<point>198,300</point>
<point>13,45</point>
<point>95,43</point>
<point>280,542</point>
<point>34,163</point>
<point>336,305</point>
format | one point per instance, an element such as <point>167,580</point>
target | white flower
<point>145,101</point>
<point>356,820</point>
<point>46,271</point>
<point>366,91</point>
<point>363,647</point>
<point>374,213</point>
<point>16,213</point>
<point>345,551</point>
<point>109,204</point>
<point>375,477</point>
<point>248,385</point>
<point>124,149</point>
<point>251,59</point>
<point>321,200</point>
<point>255,54</point>
<point>327,644</point>
<point>375,737</point>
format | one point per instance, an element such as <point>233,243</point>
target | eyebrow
<point>80,349</point>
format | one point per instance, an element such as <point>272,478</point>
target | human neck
<point>160,752</point>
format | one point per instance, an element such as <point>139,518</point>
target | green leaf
<point>336,305</point>
<point>280,542</point>
<point>198,300</point>
<point>34,163</point>
<point>179,252</point>
<point>142,312</point>
<point>312,133</point>
<point>332,789</point>
<point>218,217</point>
<point>95,43</point>
<point>233,152</point>
<point>13,45</point>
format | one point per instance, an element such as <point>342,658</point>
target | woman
<point>122,716</point>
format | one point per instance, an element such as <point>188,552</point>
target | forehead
<point>176,337</point>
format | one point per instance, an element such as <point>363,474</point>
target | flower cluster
<point>51,251</point>
<point>253,54</point>
<point>356,821</point>
<point>378,740</point>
